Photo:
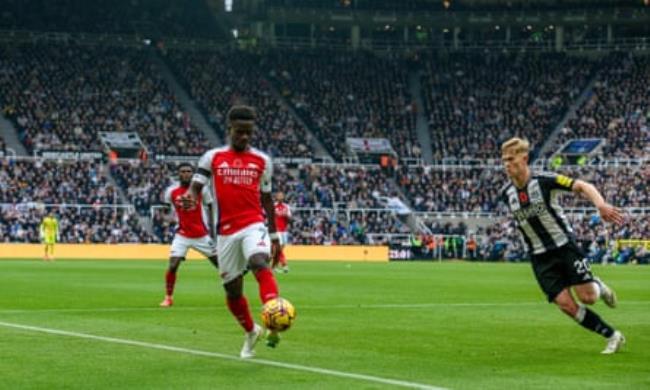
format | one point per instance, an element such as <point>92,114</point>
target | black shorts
<point>560,268</point>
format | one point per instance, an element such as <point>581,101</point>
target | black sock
<point>593,322</point>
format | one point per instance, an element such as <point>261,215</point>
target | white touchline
<point>288,366</point>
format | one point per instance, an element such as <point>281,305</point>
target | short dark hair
<point>241,113</point>
<point>183,165</point>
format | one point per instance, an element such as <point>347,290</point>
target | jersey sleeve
<point>267,177</point>
<point>555,181</point>
<point>204,166</point>
<point>167,196</point>
<point>503,197</point>
<point>206,195</point>
<point>289,213</point>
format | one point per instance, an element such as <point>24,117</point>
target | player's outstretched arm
<point>200,178</point>
<point>608,212</point>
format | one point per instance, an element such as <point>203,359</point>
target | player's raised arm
<point>608,212</point>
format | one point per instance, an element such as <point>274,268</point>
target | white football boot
<point>614,343</point>
<point>606,293</point>
<point>251,338</point>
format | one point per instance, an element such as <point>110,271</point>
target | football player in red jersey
<point>282,220</point>
<point>191,232</point>
<point>237,173</point>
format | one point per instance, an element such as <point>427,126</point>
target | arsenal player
<point>191,232</point>
<point>237,174</point>
<point>282,220</point>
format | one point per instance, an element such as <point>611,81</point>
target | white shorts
<point>284,238</point>
<point>236,249</point>
<point>203,245</point>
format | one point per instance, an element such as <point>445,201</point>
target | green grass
<point>453,325</point>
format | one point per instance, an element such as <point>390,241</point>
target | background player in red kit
<point>191,231</point>
<point>282,220</point>
<point>238,173</point>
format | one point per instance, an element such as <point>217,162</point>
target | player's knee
<point>258,261</point>
<point>232,295</point>
<point>588,297</point>
<point>568,306</point>
<point>234,288</point>
<point>174,263</point>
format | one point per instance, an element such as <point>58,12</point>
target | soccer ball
<point>278,314</point>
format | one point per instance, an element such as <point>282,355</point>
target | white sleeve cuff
<point>200,178</point>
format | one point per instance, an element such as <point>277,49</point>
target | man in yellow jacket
<point>49,235</point>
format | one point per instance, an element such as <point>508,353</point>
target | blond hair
<point>517,145</point>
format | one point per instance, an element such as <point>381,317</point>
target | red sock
<point>239,308</point>
<point>267,283</point>
<point>282,258</point>
<point>170,279</point>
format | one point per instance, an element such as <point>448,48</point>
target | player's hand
<point>611,214</point>
<point>275,252</point>
<point>188,201</point>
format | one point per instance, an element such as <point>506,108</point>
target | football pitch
<point>455,325</point>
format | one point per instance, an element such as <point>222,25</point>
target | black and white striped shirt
<point>537,213</point>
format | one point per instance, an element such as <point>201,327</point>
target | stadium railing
<point>25,206</point>
<point>544,163</point>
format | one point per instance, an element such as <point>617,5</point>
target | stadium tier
<point>616,109</point>
<point>219,79</point>
<point>349,95</point>
<point>60,97</point>
<point>475,102</point>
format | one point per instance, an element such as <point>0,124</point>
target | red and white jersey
<point>191,223</point>
<point>237,179</point>
<point>282,216</point>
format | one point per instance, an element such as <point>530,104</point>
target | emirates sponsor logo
<point>238,176</point>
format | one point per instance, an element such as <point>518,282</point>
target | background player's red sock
<point>282,258</point>
<point>239,308</point>
<point>170,279</point>
<point>268,285</point>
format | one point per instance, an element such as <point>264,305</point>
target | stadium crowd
<point>217,80</point>
<point>616,110</point>
<point>20,223</point>
<point>334,203</point>
<point>475,102</point>
<point>54,182</point>
<point>61,96</point>
<point>343,95</point>
<point>143,183</point>
<point>476,189</point>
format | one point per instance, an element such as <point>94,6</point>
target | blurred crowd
<point>76,225</point>
<point>617,109</point>
<point>475,101</point>
<point>219,79</point>
<point>61,97</point>
<point>343,95</point>
<point>53,182</point>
